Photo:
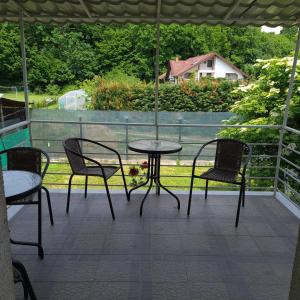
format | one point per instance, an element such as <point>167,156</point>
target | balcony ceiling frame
<point>213,12</point>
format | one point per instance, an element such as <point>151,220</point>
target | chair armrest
<point>4,151</point>
<point>249,156</point>
<point>200,150</point>
<point>46,164</point>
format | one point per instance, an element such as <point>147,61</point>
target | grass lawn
<point>174,182</point>
<point>37,99</point>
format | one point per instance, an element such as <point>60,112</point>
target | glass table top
<point>154,146</point>
<point>19,184</point>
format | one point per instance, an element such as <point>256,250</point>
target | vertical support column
<point>286,111</point>
<point>157,66</point>
<point>24,64</point>
<point>24,71</point>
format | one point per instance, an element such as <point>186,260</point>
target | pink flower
<point>133,171</point>
<point>144,165</point>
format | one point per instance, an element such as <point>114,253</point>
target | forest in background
<point>69,54</point>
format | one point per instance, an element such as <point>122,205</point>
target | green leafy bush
<point>263,103</point>
<point>206,95</point>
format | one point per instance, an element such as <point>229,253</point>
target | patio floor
<point>163,255</point>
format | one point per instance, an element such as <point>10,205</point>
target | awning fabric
<point>227,12</point>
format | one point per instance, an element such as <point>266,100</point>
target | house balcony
<point>164,254</point>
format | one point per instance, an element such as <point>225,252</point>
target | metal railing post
<point>286,112</point>
<point>80,132</point>
<point>126,137</point>
<point>180,120</point>
<point>157,66</point>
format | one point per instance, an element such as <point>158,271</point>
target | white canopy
<point>227,12</point>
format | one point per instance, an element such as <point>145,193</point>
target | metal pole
<point>286,111</point>
<point>126,137</point>
<point>180,120</point>
<point>24,65</point>
<point>157,66</point>
<point>24,69</point>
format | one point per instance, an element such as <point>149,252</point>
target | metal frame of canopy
<point>23,14</point>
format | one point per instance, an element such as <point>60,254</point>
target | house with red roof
<point>207,65</point>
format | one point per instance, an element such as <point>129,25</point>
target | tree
<point>10,59</point>
<point>88,50</point>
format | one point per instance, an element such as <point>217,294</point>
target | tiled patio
<point>163,255</point>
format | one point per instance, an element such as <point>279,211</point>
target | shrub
<point>206,95</point>
<point>263,103</point>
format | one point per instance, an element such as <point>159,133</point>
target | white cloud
<point>276,30</point>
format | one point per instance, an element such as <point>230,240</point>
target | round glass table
<point>154,149</point>
<point>17,186</point>
<point>20,184</point>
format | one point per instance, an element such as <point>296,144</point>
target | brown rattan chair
<point>231,160</point>
<point>78,165</point>
<point>30,159</point>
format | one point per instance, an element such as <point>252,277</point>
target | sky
<point>271,29</point>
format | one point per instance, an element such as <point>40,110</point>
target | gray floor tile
<point>209,291</point>
<point>166,271</point>
<point>163,255</point>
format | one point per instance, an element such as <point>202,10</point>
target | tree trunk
<point>6,276</point>
<point>295,283</point>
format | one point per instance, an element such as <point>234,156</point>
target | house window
<point>231,76</point>
<point>208,74</point>
<point>209,63</point>
<point>187,75</point>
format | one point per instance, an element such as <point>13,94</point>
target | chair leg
<point>40,251</point>
<point>190,196</point>
<point>239,207</point>
<point>125,185</point>
<point>244,191</point>
<point>25,280</point>
<point>69,193</point>
<point>49,204</point>
<point>85,188</point>
<point>109,199</point>
<point>206,187</point>
<point>25,291</point>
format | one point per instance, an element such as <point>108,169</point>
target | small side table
<point>154,149</point>
<point>18,185</point>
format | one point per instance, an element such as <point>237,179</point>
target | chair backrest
<point>74,154</point>
<point>229,154</point>
<point>25,159</point>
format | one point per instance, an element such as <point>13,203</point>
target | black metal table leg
<point>157,173</point>
<point>151,177</point>
<point>40,248</point>
<point>144,183</point>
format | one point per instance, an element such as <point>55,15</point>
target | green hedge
<point>207,95</point>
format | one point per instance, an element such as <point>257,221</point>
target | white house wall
<point>221,68</point>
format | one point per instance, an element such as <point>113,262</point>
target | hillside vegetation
<point>69,54</point>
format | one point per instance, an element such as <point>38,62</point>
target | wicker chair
<point>20,275</point>
<point>78,165</point>
<point>229,167</point>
